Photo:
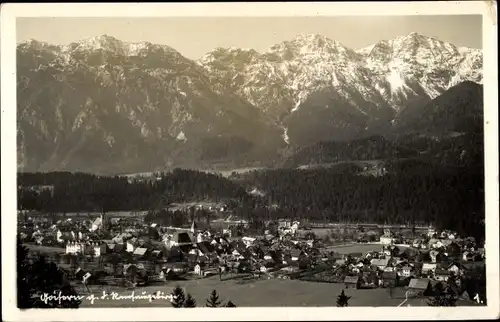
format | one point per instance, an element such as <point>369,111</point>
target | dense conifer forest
<point>450,196</point>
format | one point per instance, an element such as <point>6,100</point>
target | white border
<point>9,12</point>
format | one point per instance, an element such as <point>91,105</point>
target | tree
<point>439,289</point>
<point>190,301</point>
<point>342,299</point>
<point>42,278</point>
<point>452,284</point>
<point>443,300</point>
<point>310,236</point>
<point>213,300</point>
<point>178,297</point>
<point>230,304</point>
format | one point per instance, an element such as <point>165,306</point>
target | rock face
<point>104,105</point>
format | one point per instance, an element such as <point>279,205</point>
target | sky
<point>195,36</point>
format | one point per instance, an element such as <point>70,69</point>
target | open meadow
<point>262,293</point>
<point>354,248</point>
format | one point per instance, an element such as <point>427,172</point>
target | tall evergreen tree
<point>443,300</point>
<point>34,280</point>
<point>190,301</point>
<point>179,298</point>
<point>213,300</point>
<point>342,299</point>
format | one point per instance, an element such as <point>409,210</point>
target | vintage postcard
<point>290,161</point>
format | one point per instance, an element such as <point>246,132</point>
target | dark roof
<point>419,283</point>
<point>185,248</point>
<point>440,271</point>
<point>181,237</point>
<point>418,265</point>
<point>156,252</point>
<point>119,247</point>
<point>180,265</point>
<point>389,275</point>
<point>205,247</point>
<point>314,251</point>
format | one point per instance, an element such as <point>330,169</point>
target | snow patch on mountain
<point>181,137</point>
<point>395,80</point>
<point>281,78</point>
<point>286,138</point>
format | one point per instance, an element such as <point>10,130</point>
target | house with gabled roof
<point>131,244</point>
<point>435,243</point>
<point>380,263</point>
<point>455,268</point>
<point>140,252</point>
<point>428,268</point>
<point>389,278</point>
<point>405,271</point>
<point>296,254</point>
<point>441,275</point>
<point>468,256</point>
<point>421,286</point>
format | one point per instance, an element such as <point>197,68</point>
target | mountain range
<point>107,106</point>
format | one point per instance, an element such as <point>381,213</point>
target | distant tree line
<point>75,192</point>
<point>370,148</point>
<point>412,190</point>
<point>449,196</point>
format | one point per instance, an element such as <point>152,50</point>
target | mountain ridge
<point>104,103</point>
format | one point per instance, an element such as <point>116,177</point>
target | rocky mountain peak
<point>117,100</point>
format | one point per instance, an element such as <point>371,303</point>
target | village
<point>130,252</point>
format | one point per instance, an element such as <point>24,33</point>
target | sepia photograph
<point>216,159</point>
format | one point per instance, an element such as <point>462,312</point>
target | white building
<point>198,270</point>
<point>58,236</point>
<point>131,245</point>
<point>433,255</point>
<point>455,269</point>
<point>74,247</point>
<point>248,241</point>
<point>96,224</point>
<point>435,243</point>
<point>405,271</point>
<point>428,268</point>
<point>386,240</point>
<point>98,248</point>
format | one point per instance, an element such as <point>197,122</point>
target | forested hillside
<point>87,192</point>
<point>449,196</point>
<point>370,148</point>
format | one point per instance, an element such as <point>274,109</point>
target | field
<point>355,248</point>
<point>48,250</point>
<point>228,173</point>
<point>263,293</point>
